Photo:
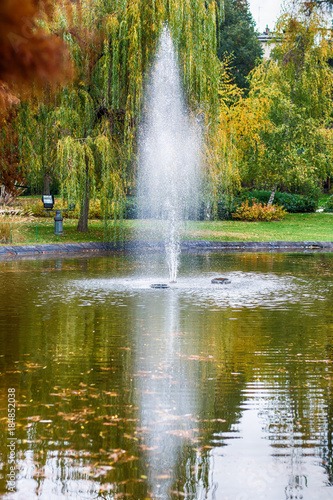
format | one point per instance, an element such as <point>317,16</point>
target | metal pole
<point>58,223</point>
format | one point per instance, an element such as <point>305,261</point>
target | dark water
<point>199,391</point>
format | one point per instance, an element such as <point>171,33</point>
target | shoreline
<point>132,246</point>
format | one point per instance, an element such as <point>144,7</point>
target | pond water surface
<point>199,391</point>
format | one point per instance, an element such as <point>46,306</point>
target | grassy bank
<point>295,227</point>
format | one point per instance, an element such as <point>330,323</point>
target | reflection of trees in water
<point>194,473</point>
<point>297,415</point>
<point>327,447</point>
<point>66,426</point>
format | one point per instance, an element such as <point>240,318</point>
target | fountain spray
<point>169,152</point>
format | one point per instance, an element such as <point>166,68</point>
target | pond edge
<point>133,246</point>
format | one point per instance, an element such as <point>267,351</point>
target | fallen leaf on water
<point>129,459</point>
<point>196,357</point>
<point>34,418</point>
<point>127,436</point>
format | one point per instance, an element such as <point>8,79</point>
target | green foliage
<point>226,206</point>
<point>293,203</point>
<point>221,163</point>
<point>259,212</point>
<point>132,211</point>
<point>282,127</point>
<point>86,136</point>
<point>36,209</point>
<point>238,41</point>
<point>328,207</point>
<point>37,145</point>
<point>310,5</point>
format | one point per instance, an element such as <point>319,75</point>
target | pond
<point>198,391</point>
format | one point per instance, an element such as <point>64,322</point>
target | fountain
<point>169,154</point>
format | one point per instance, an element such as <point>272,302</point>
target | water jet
<point>169,153</point>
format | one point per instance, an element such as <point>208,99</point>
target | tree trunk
<point>46,183</point>
<point>208,211</point>
<point>272,196</point>
<point>2,194</point>
<point>82,225</point>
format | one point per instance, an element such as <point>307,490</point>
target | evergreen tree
<point>237,39</point>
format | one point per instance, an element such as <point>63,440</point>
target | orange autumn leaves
<point>28,54</point>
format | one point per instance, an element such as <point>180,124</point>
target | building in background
<point>267,41</point>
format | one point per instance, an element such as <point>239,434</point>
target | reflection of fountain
<point>164,395</point>
<point>295,488</point>
<point>169,153</point>
<point>297,482</point>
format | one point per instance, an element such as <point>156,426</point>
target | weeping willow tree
<point>95,118</point>
<point>38,142</point>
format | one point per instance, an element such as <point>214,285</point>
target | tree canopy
<point>83,134</point>
<point>238,41</point>
<point>94,120</point>
<point>284,126</point>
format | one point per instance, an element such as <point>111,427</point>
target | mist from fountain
<point>169,153</point>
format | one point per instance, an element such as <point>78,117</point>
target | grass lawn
<point>295,227</point>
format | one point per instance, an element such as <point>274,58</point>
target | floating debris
<point>220,281</point>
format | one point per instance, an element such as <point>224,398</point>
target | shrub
<point>131,210</point>
<point>296,203</point>
<point>293,203</point>
<point>328,207</point>
<point>226,207</point>
<point>37,209</point>
<point>259,212</point>
<point>95,210</point>
<point>5,232</point>
<point>12,229</point>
